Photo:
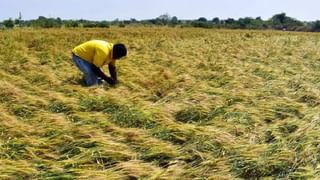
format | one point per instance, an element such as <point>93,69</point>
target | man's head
<point>119,51</point>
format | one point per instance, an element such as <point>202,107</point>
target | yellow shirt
<point>97,52</point>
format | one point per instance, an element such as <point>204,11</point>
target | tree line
<point>279,22</point>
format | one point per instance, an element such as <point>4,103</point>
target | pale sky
<point>306,10</point>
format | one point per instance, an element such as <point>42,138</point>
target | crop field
<point>191,104</point>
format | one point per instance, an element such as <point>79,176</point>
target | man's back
<point>97,52</point>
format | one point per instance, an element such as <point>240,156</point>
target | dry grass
<point>192,104</point>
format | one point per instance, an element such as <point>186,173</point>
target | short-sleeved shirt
<point>97,52</point>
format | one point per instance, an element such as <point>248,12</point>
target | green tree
<point>8,23</point>
<point>202,19</point>
<point>216,20</point>
<point>174,21</point>
<point>281,21</point>
<point>163,19</point>
<point>315,27</point>
<point>279,18</point>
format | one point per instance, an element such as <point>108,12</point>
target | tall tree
<point>8,23</point>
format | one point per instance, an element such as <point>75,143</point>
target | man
<point>90,56</point>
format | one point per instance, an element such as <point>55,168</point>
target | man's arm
<point>99,73</point>
<point>113,72</point>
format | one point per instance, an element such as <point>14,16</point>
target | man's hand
<point>99,73</point>
<point>110,81</point>
<point>113,72</point>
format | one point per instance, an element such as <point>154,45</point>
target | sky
<point>305,10</point>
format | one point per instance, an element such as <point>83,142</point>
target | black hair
<point>119,51</point>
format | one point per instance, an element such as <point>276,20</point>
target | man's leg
<point>85,67</point>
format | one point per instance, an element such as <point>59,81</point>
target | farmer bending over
<point>90,56</point>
